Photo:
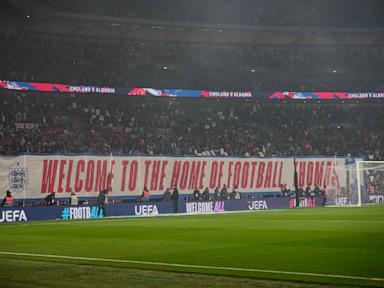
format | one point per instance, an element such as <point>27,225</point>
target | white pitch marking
<point>191,266</point>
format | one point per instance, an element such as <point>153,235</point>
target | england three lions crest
<point>18,179</point>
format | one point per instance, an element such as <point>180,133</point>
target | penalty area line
<point>164,264</point>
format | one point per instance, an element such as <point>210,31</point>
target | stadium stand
<point>49,123</point>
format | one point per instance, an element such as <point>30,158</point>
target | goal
<point>370,181</point>
<point>342,188</point>
<point>357,182</point>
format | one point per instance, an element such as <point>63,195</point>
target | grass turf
<point>16,273</point>
<point>338,241</point>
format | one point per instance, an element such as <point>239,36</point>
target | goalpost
<point>342,187</point>
<point>370,181</point>
<point>355,183</point>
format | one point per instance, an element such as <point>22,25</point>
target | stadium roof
<point>39,18</point>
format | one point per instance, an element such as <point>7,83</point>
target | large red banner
<point>34,176</point>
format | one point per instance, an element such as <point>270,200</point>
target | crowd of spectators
<point>246,12</point>
<point>131,63</point>
<point>39,122</point>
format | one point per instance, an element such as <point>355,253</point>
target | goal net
<point>359,182</point>
<point>342,190</point>
<point>370,181</point>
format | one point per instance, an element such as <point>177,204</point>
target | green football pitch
<point>275,248</point>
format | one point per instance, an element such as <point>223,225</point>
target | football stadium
<point>177,143</point>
